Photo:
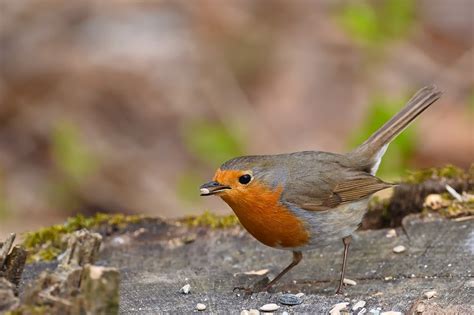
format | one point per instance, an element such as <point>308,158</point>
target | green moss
<point>47,243</point>
<point>30,310</point>
<point>452,208</point>
<point>211,220</point>
<point>456,209</point>
<point>449,171</point>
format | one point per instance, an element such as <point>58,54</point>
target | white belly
<point>326,226</point>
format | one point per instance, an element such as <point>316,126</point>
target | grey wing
<point>330,185</point>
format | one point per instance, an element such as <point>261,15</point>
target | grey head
<point>269,169</point>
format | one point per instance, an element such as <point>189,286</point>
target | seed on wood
<point>269,307</point>
<point>336,309</point>
<point>185,289</point>
<point>391,233</point>
<point>358,305</point>
<point>399,249</point>
<point>260,272</point>
<point>349,281</point>
<point>200,307</point>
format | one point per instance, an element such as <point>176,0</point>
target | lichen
<point>448,172</point>
<point>47,243</point>
<point>209,219</point>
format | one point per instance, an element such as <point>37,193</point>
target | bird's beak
<point>212,188</point>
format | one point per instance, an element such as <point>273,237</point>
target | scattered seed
<point>430,294</point>
<point>185,289</point>
<point>358,305</point>
<point>454,193</point>
<point>269,307</point>
<point>399,249</point>
<point>139,232</point>
<point>336,309</point>
<point>260,272</point>
<point>200,307</point>
<point>391,233</point>
<point>254,312</point>
<point>349,281</point>
<point>388,278</point>
<point>290,299</point>
<point>120,240</point>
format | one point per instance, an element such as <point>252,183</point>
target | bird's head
<point>243,178</point>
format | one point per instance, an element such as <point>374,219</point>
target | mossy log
<point>213,254</point>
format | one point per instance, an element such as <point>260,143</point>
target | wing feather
<point>346,191</point>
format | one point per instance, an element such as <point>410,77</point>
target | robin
<point>300,201</point>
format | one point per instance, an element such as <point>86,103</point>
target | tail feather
<point>370,152</point>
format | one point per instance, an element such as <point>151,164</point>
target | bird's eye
<point>245,179</point>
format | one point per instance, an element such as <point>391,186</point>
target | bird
<point>301,201</point>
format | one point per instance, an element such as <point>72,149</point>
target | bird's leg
<point>346,241</point>
<point>297,256</point>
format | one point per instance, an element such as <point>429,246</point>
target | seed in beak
<point>212,188</point>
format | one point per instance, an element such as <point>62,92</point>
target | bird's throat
<point>261,213</point>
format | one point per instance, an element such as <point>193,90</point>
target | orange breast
<point>260,212</point>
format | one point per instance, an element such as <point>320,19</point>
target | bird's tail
<point>369,153</point>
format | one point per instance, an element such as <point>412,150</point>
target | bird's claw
<point>339,289</point>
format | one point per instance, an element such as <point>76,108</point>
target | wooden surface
<point>157,258</point>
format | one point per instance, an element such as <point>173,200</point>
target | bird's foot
<point>247,291</point>
<point>260,286</point>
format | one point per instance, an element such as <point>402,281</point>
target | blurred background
<point>128,106</point>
